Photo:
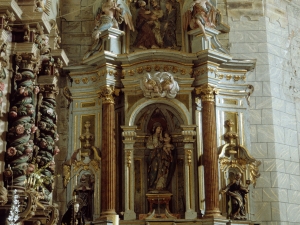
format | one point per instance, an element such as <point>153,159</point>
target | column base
<point>129,215</point>
<point>213,214</point>
<point>242,222</point>
<point>190,214</point>
<point>101,223</point>
<point>110,219</point>
<point>214,221</point>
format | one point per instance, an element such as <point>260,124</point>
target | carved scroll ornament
<point>234,155</point>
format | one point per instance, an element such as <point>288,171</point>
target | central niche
<point>159,161</point>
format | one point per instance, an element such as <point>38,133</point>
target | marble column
<point>108,164</point>
<point>210,152</point>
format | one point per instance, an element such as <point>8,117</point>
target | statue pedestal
<point>159,199</point>
<point>198,42</point>
<point>109,41</point>
<point>112,40</point>
<point>102,223</point>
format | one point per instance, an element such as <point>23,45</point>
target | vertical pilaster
<point>210,153</point>
<point>188,132</point>
<point>129,140</point>
<point>108,165</point>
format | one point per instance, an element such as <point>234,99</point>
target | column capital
<point>48,86</point>
<point>129,133</point>
<point>188,133</point>
<point>27,60</point>
<point>207,92</point>
<point>106,94</point>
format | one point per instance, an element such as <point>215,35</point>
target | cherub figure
<point>198,14</point>
<point>168,147</point>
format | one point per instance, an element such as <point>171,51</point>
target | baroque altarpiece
<point>156,117</point>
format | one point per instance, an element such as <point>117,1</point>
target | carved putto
<point>161,84</point>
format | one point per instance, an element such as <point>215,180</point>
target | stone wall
<point>269,32</point>
<point>77,26</point>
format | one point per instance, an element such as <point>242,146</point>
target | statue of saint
<point>85,191</point>
<point>73,216</point>
<point>111,14</point>
<point>162,159</point>
<point>237,192</point>
<point>169,37</point>
<point>200,14</point>
<point>145,24</point>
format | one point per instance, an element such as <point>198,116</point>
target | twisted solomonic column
<point>48,136</point>
<point>21,122</point>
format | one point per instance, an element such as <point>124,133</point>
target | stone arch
<point>175,106</point>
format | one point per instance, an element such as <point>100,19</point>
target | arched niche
<point>167,106</point>
<point>171,114</point>
<point>166,115</point>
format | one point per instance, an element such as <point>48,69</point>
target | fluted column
<point>108,164</point>
<point>210,153</point>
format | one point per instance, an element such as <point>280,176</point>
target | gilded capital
<point>27,61</point>
<point>106,93</point>
<point>206,92</point>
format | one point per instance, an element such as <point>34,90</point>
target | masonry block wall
<point>77,24</point>
<point>269,32</point>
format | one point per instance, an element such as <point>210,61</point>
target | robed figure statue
<point>162,159</point>
<point>73,216</point>
<point>237,193</point>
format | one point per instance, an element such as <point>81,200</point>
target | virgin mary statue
<point>161,161</point>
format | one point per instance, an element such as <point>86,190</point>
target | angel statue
<point>110,14</point>
<point>200,14</point>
